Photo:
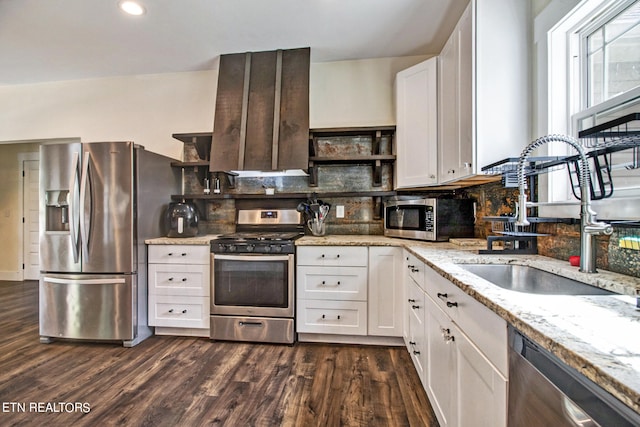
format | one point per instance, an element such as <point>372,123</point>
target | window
<point>612,56</point>
<point>593,77</point>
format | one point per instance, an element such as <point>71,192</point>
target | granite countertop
<point>196,240</point>
<point>597,335</point>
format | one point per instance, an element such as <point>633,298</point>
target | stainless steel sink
<point>530,280</point>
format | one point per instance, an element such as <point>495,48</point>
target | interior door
<point>30,209</point>
<point>107,208</point>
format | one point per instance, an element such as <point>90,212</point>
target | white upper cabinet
<point>417,125</point>
<point>483,79</point>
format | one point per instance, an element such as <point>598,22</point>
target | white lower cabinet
<point>464,368</point>
<point>349,291</point>
<point>385,303</point>
<point>179,289</point>
<point>331,285</point>
<point>441,365</point>
<point>481,389</point>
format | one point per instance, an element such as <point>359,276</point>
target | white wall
<point>144,109</point>
<point>355,93</point>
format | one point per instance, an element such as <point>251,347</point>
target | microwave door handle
<point>84,209</point>
<point>74,227</point>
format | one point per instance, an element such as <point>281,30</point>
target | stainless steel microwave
<point>429,218</point>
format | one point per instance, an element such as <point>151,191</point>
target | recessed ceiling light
<point>132,8</point>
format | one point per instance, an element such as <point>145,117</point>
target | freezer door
<point>107,208</point>
<point>92,308</point>
<point>59,207</point>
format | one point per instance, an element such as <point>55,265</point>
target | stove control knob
<point>267,248</point>
<point>277,248</point>
<point>231,248</point>
<point>250,248</point>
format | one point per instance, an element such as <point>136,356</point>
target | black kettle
<point>181,219</point>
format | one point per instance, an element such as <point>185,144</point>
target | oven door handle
<point>252,257</point>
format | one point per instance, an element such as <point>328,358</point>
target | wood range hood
<point>262,112</point>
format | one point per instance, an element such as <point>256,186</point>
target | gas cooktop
<point>260,236</point>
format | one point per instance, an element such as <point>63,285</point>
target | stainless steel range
<point>252,277</point>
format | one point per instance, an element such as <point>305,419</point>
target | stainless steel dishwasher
<point>544,391</point>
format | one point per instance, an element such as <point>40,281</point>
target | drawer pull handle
<point>338,256</point>
<point>411,267</point>
<point>337,317</point>
<point>415,307</point>
<point>171,279</point>
<point>323,282</point>
<point>452,304</point>
<point>412,343</point>
<point>250,323</point>
<point>449,339</point>
<point>416,352</point>
<point>184,279</point>
<point>442,296</point>
<point>184,311</point>
<point>338,283</point>
<point>414,270</point>
<point>171,310</point>
<point>411,300</point>
<point>444,331</point>
<point>322,256</point>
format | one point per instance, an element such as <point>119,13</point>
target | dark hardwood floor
<point>177,381</point>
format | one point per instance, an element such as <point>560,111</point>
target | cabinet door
<point>385,291</point>
<point>417,125</point>
<point>448,143</point>
<point>482,390</point>
<point>441,374</point>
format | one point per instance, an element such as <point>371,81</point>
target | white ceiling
<point>52,40</point>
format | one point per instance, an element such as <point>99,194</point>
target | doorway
<point>30,165</point>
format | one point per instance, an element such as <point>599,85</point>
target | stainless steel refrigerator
<point>98,203</point>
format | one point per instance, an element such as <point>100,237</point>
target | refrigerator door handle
<point>85,228</point>
<point>83,281</point>
<point>74,227</point>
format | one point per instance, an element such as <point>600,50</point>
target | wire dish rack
<point>515,238</point>
<point>600,142</point>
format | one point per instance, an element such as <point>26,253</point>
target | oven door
<point>252,285</point>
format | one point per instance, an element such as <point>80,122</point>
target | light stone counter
<point>196,240</point>
<point>597,335</point>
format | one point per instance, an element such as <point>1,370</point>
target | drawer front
<point>416,304</point>
<point>341,283</point>
<point>176,279</point>
<point>415,269</point>
<point>178,312</point>
<point>179,254</point>
<point>332,317</point>
<point>356,256</point>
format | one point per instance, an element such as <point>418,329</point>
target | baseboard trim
<point>13,276</point>
<point>351,339</point>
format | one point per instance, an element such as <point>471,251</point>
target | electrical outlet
<point>340,211</point>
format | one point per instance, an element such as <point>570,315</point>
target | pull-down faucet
<point>589,227</point>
